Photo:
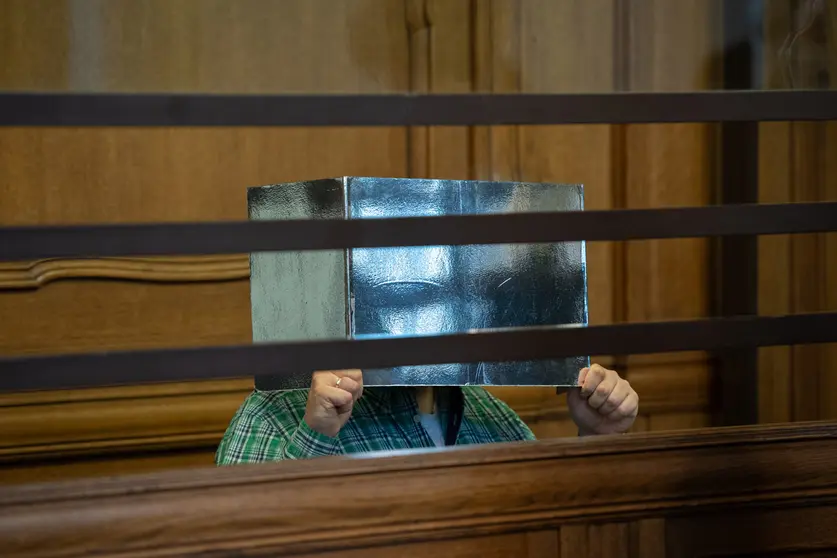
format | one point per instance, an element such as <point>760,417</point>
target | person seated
<point>337,416</point>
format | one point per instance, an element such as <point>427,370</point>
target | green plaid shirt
<point>269,427</point>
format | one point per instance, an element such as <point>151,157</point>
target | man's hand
<point>331,399</point>
<point>604,403</point>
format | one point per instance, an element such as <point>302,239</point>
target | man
<point>336,416</point>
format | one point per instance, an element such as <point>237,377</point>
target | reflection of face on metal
<point>430,290</point>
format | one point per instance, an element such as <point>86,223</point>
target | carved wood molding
<point>289,508</point>
<point>41,425</point>
<point>108,421</point>
<point>36,274</point>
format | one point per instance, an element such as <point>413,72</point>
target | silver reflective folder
<point>427,290</point>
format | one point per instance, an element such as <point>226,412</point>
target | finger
<point>602,390</point>
<point>581,376</point>
<point>347,384</point>
<point>595,374</point>
<point>574,397</point>
<point>616,397</point>
<point>339,379</point>
<point>356,376</point>
<point>628,408</point>
<point>321,378</point>
<point>332,375</point>
<point>334,397</point>
<point>345,409</point>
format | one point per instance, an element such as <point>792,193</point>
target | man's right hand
<point>331,399</point>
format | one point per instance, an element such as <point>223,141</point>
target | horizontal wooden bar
<point>406,109</point>
<point>131,367</point>
<point>457,502</point>
<point>24,243</point>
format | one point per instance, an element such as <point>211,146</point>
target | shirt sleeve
<point>264,433</point>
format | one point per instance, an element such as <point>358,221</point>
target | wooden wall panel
<point>440,38</point>
<point>828,259</point>
<point>774,281</point>
<point>497,546</point>
<point>817,154</point>
<point>670,47</point>
<point>241,46</point>
<point>796,164</point>
<point>70,316</point>
<point>33,36</point>
<point>573,154</point>
<point>51,175</point>
<point>84,175</point>
<point>94,175</point>
<point>90,464</point>
<point>114,419</point>
<point>801,531</point>
<point>614,46</point>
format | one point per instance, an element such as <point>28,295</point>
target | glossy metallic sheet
<point>419,290</point>
<point>297,296</point>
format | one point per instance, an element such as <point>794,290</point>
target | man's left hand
<point>603,403</point>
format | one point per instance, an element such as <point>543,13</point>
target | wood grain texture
<point>648,538</point>
<point>543,544</point>
<point>794,531</point>
<point>131,175</point>
<point>775,252</point>
<point>774,281</point>
<point>133,419</point>
<point>796,163</point>
<point>139,175</point>
<point>496,546</point>
<point>120,175</point>
<point>667,47</point>
<point>246,46</point>
<point>574,540</point>
<point>24,67</point>
<point>92,315</point>
<point>92,465</point>
<point>609,540</point>
<point>485,491</point>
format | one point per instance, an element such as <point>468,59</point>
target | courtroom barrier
<point>65,109</point>
<point>741,491</point>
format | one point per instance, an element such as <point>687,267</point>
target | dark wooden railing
<point>755,491</point>
<point>744,491</point>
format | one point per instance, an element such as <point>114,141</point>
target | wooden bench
<point>754,491</point>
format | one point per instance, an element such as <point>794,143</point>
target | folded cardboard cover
<point>427,290</point>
